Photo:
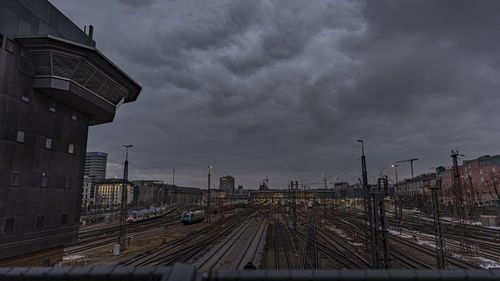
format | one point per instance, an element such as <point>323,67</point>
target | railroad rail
<point>186,247</point>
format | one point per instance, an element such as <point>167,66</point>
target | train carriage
<point>189,217</point>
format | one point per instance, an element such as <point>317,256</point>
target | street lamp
<point>400,213</point>
<point>395,166</point>
<point>123,204</point>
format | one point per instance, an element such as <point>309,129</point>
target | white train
<point>142,215</point>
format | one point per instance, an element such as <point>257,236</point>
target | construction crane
<point>411,164</point>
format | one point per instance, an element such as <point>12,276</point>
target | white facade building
<point>86,199</point>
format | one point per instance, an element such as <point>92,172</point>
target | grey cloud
<point>284,88</point>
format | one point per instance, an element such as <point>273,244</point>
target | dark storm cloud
<point>284,88</point>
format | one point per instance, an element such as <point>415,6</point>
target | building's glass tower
<point>95,168</point>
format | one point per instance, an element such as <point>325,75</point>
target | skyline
<point>252,87</point>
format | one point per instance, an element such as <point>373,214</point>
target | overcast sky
<point>283,89</point>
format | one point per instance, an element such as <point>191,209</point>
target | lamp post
<point>208,197</point>
<point>399,213</point>
<point>123,205</point>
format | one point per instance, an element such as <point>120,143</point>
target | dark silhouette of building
<point>54,83</point>
<point>227,184</point>
<point>148,193</point>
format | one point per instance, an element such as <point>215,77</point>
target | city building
<point>54,84</point>
<point>109,192</point>
<point>417,186</point>
<point>182,196</point>
<point>148,193</point>
<point>86,200</point>
<point>227,184</point>
<point>479,182</point>
<point>95,168</point>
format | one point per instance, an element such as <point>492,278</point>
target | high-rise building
<point>95,168</point>
<point>227,184</point>
<point>54,83</point>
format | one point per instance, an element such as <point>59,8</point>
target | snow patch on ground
<point>338,232</point>
<point>406,234</point>
<point>487,263</point>
<point>402,235</point>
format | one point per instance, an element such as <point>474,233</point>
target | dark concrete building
<point>182,196</point>
<point>54,83</point>
<point>148,193</point>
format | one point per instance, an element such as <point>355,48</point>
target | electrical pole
<point>411,164</point>
<point>324,176</point>
<point>464,243</point>
<point>367,205</point>
<point>209,194</point>
<point>440,244</point>
<point>123,205</point>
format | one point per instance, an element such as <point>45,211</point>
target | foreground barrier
<point>181,272</point>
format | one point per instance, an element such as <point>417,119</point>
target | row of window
<point>15,180</point>
<point>480,170</point>
<point>52,105</point>
<point>10,223</point>
<point>48,142</point>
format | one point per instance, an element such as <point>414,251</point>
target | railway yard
<point>271,236</point>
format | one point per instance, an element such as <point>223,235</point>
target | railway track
<point>281,253</point>
<point>186,247</point>
<point>403,257</point>
<point>105,237</point>
<point>344,249</point>
<point>485,240</point>
<point>249,256</point>
<point>342,260</point>
<point>220,255</point>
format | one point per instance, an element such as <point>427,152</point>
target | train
<point>229,206</point>
<point>142,215</point>
<point>189,217</point>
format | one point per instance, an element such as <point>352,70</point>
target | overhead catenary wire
<point>144,172</point>
<point>337,172</point>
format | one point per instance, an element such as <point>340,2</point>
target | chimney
<point>91,31</point>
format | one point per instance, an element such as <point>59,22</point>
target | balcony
<point>78,76</point>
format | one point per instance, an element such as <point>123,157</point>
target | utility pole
<point>324,176</point>
<point>459,202</point>
<point>123,206</point>
<point>440,243</point>
<point>367,202</point>
<point>381,254</point>
<point>209,194</point>
<point>295,204</point>
<point>173,176</point>
<point>411,164</point>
